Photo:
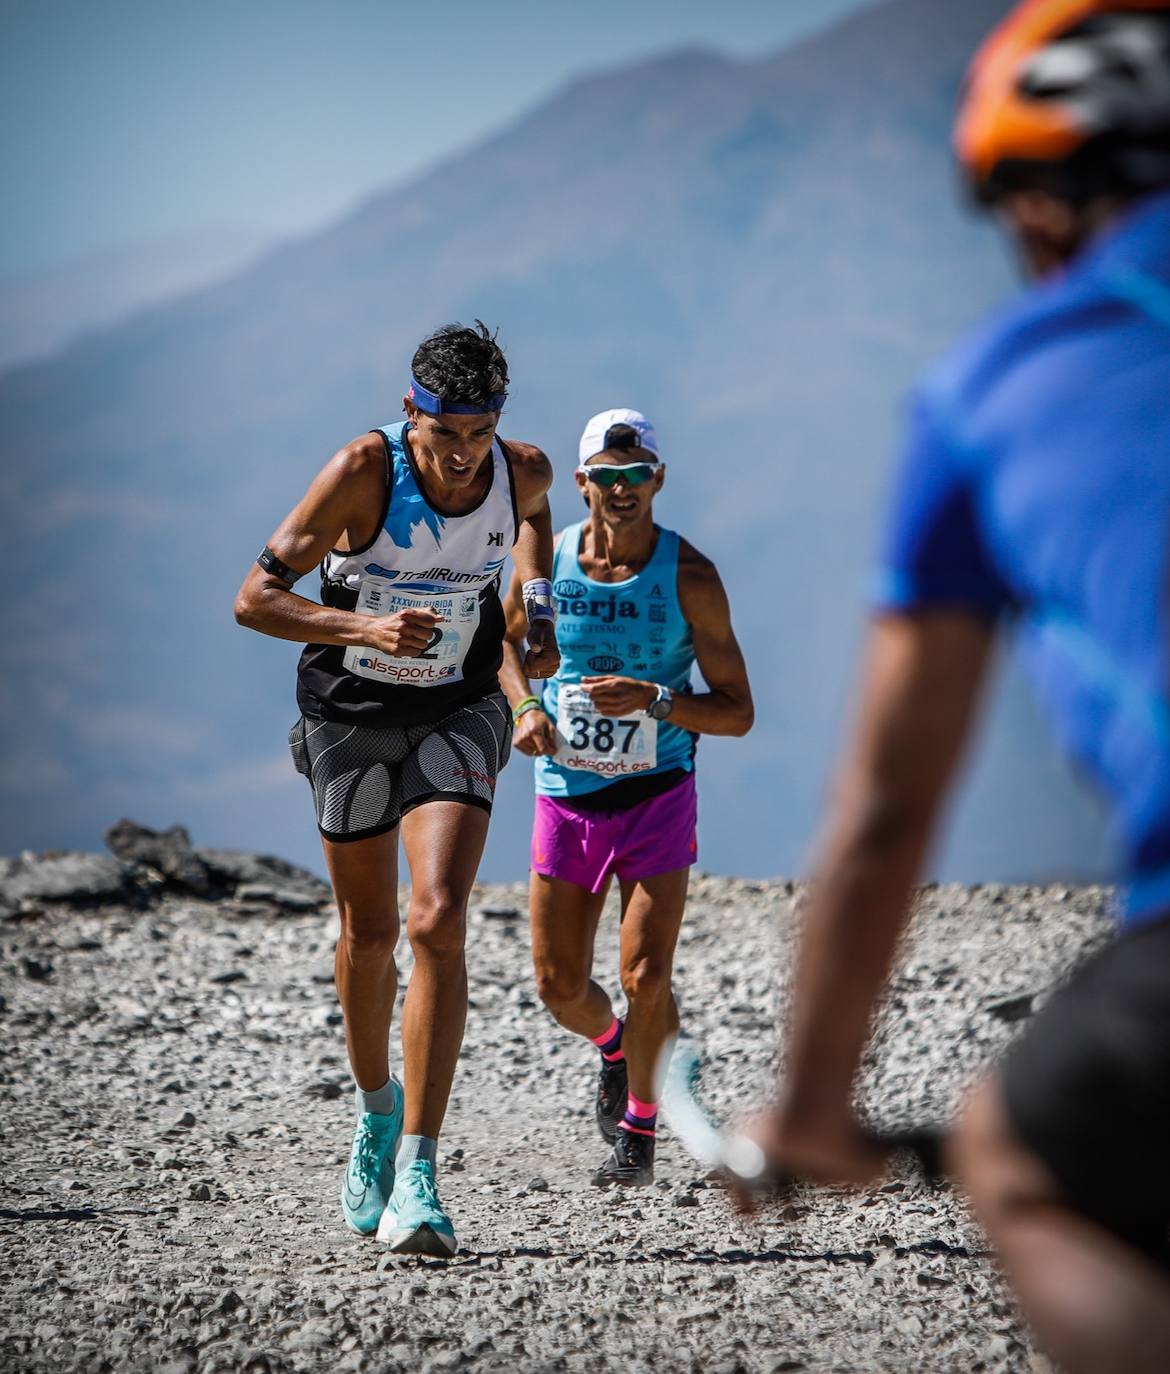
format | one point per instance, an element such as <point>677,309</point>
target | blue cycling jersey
<point>1036,479</point>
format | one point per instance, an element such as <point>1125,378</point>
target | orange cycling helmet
<point>1070,96</point>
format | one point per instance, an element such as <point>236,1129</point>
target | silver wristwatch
<point>662,705</point>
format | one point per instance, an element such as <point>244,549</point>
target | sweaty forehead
<point>464,425</point>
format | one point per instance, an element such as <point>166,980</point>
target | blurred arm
<point>920,691</point>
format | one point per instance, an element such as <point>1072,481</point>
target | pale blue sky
<point>126,121</point>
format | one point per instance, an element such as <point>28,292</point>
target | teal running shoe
<point>414,1222</point>
<point>369,1177</point>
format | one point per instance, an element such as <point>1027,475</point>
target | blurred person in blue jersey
<point>1034,486</point>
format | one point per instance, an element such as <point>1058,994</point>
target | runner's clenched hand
<point>535,734</point>
<point>543,657</point>
<point>614,696</point>
<point>402,635</point>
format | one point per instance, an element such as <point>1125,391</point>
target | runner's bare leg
<point>365,883</point>
<point>652,913</point>
<point>564,925</point>
<point>444,842</point>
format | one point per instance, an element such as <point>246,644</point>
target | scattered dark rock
<point>144,866</point>
<point>37,969</point>
<point>1013,1009</point>
<point>327,1090</point>
<point>211,1239</point>
<point>169,852</point>
<point>235,869</point>
<point>232,975</point>
<point>291,898</point>
<point>78,879</point>
<point>498,913</point>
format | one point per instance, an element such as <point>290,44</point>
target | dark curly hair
<point>460,364</point>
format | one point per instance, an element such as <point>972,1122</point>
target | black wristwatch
<point>662,705</point>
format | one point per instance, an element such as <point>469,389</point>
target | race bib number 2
<point>441,661</point>
<point>597,743</point>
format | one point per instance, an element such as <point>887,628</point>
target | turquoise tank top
<point>633,628</point>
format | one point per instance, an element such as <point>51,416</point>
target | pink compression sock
<point>641,1117</point>
<point>610,1043</point>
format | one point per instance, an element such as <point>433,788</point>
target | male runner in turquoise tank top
<point>403,727</point>
<point>614,737</point>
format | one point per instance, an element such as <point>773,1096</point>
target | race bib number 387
<point>602,744</point>
<point>441,662</point>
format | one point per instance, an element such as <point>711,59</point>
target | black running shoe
<point>612,1093</point>
<point>630,1163</point>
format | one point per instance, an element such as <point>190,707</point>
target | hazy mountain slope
<point>42,313</point>
<point>760,254</point>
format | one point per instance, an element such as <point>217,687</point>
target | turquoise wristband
<point>522,708</point>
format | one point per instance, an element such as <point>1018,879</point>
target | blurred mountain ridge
<point>759,254</point>
<point>45,312</point>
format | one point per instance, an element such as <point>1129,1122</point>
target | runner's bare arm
<point>726,708</point>
<point>919,697</point>
<point>532,553</point>
<point>336,508</point>
<point>513,679</point>
<point>534,732</point>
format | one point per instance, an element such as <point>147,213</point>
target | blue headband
<point>430,403</point>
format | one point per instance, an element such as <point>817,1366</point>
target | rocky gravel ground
<point>175,1112</point>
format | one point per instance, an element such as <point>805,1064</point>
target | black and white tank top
<point>417,556</point>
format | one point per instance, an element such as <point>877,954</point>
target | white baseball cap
<point>594,440</point>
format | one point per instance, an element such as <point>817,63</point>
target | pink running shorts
<point>585,847</point>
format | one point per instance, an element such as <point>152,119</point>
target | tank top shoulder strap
<point>505,457</point>
<point>388,447</point>
<point>663,564</point>
<point>565,552</point>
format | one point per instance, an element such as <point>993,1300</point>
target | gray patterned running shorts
<point>365,779</point>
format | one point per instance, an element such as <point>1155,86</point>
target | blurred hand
<point>543,657</point>
<point>616,696</point>
<point>835,1150</point>
<point>535,734</point>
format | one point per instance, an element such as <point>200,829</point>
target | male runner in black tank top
<point>430,774</point>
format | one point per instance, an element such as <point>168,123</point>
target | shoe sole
<point>618,1181</point>
<point>423,1240</point>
